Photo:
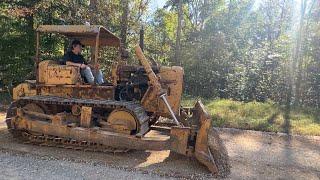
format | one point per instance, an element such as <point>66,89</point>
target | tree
<point>93,11</point>
<point>178,38</point>
<point>305,7</point>
<point>244,50</point>
<point>124,22</point>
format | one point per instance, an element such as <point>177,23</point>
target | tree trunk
<point>298,61</point>
<point>178,37</point>
<point>141,43</point>
<point>30,22</point>
<point>93,12</point>
<point>124,22</point>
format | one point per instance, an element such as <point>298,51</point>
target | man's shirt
<point>75,58</point>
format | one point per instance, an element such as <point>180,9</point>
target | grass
<point>266,116</point>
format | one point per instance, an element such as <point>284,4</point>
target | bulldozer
<point>139,109</point>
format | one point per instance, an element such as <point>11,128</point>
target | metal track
<point>137,110</point>
<point>38,138</point>
<point>67,143</point>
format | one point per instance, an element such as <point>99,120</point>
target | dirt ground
<point>253,155</point>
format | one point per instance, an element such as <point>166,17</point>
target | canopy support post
<point>37,59</point>
<point>96,53</point>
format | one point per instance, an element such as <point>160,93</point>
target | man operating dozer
<point>74,58</point>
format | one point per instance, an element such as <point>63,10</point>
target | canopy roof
<point>86,34</point>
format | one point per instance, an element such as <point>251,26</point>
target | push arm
<point>154,81</point>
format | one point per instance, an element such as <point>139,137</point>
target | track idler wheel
<point>209,148</point>
<point>12,113</point>
<point>122,121</point>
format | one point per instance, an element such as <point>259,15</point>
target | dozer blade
<point>209,148</point>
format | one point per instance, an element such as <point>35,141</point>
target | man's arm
<point>69,63</point>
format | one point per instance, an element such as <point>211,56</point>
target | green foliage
<point>16,50</point>
<point>242,50</point>
<point>160,36</point>
<point>267,116</point>
<point>241,64</point>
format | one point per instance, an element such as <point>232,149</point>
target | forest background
<point>265,52</point>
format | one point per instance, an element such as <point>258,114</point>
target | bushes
<point>267,116</point>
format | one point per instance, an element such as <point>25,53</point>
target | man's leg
<point>87,73</point>
<point>98,76</point>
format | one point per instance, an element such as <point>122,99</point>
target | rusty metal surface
<point>62,74</point>
<point>202,151</point>
<point>85,120</point>
<point>87,34</point>
<point>78,91</point>
<point>179,139</point>
<point>23,89</point>
<point>120,120</point>
<point>172,81</point>
<point>106,138</point>
<point>67,143</point>
<point>168,81</point>
<point>51,72</point>
<point>135,108</point>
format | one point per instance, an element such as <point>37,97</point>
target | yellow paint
<point>122,121</point>
<point>50,72</point>
<point>22,90</point>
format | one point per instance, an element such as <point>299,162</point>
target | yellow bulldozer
<point>139,109</point>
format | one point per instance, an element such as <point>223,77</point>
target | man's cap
<point>76,42</point>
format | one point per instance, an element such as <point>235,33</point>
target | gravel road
<point>18,166</point>
<point>253,155</point>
